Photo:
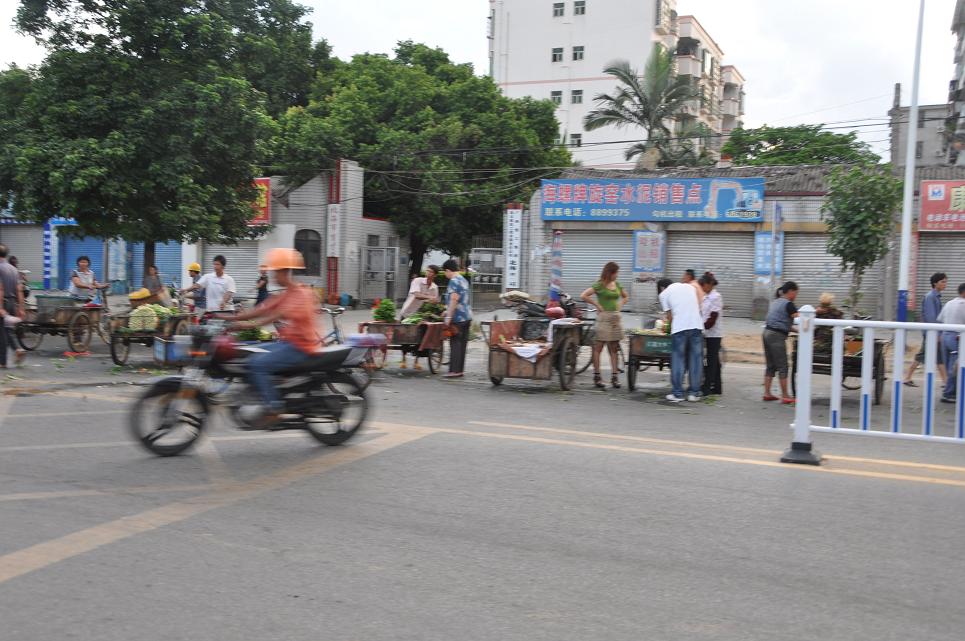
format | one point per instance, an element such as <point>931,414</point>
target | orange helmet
<point>284,258</point>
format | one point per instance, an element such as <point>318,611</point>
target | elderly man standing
<point>682,304</point>
<point>11,304</point>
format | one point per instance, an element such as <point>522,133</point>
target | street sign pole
<point>904,264</point>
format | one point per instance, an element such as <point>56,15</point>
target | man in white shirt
<point>422,290</point>
<point>219,288</point>
<point>953,313</point>
<point>682,305</point>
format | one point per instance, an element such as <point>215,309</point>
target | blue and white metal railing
<point>801,450</point>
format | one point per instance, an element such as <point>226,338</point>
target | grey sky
<point>814,61</point>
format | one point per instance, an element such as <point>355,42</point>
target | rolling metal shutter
<point>808,263</point>
<point>73,248</point>
<point>729,255</point>
<point>26,242</point>
<point>167,258</point>
<point>242,264</point>
<point>586,252</point>
<point>939,252</point>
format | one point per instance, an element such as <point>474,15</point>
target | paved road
<point>472,512</point>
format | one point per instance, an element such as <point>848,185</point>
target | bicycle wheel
<point>566,363</point>
<point>435,360</point>
<point>79,332</point>
<point>29,338</point>
<point>120,349</point>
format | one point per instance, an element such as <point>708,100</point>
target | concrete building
<point>557,51</point>
<point>956,91</point>
<point>932,146</point>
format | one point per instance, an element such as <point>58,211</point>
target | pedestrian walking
<point>777,327</point>
<point>24,283</point>
<point>608,331</point>
<point>11,305</point>
<point>458,317</point>
<point>931,307</point>
<point>825,309</point>
<point>712,311</point>
<point>682,305</point>
<point>422,290</point>
<point>953,313</point>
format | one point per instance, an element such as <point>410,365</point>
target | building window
<point>658,13</point>
<point>579,8</point>
<point>556,97</point>
<point>557,54</point>
<point>919,148</point>
<point>578,53</point>
<point>921,119</point>
<point>576,96</point>
<point>558,9</point>
<point>309,243</point>
<point>372,240</point>
<point>576,140</point>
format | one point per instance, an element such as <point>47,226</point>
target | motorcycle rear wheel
<point>344,389</point>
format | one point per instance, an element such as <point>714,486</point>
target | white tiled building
<point>557,50</point>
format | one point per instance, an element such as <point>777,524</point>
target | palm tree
<point>649,102</point>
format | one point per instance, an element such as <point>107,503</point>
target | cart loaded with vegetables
<point>422,334</point>
<point>143,325</point>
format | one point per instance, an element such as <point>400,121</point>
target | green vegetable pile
<point>385,312</point>
<point>254,334</point>
<point>428,313</point>
<point>143,319</point>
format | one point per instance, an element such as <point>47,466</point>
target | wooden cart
<point>647,350</point>
<point>423,340</point>
<point>123,335</point>
<point>560,355</point>
<point>58,315</point>
<point>850,368</point>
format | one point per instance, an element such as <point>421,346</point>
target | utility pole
<point>904,264</point>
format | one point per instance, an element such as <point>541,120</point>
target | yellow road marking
<point>214,465</point>
<point>718,446</point>
<point>85,411</point>
<point>66,494</point>
<point>80,446</point>
<point>46,554</point>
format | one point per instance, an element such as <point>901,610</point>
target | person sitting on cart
<point>83,283</point>
<point>422,290</point>
<point>299,334</point>
<point>823,334</point>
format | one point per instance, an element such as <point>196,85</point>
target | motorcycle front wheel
<point>168,417</point>
<point>339,411</point>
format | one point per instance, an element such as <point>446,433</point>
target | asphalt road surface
<point>476,513</point>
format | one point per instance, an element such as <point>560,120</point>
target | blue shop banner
<point>762,253</point>
<point>654,200</point>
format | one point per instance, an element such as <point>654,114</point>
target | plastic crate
<point>172,352</point>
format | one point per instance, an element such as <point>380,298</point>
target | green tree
<point>796,145</point>
<point>860,213</point>
<point>443,149</point>
<point>650,102</point>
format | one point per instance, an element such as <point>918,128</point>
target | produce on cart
<point>424,337</point>
<point>143,325</point>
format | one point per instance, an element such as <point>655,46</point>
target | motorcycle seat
<point>329,358</point>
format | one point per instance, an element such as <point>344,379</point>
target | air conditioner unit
<point>939,153</point>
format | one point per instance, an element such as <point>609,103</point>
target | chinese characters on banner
<point>333,231</point>
<point>262,202</point>
<point>762,253</point>
<point>512,246</point>
<point>654,200</point>
<point>648,251</point>
<point>942,205</point>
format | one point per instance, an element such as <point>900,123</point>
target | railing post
<point>801,450</point>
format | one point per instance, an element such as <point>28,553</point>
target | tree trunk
<point>149,255</point>
<point>417,253</point>
<point>854,297</point>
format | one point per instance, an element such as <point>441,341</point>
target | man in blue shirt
<point>458,316</point>
<point>931,307</point>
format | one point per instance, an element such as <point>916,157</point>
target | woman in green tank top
<point>610,298</point>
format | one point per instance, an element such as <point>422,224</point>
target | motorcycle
<point>320,396</point>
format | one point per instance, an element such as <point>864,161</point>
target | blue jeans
<point>950,356</point>
<point>687,356</point>
<point>263,366</point>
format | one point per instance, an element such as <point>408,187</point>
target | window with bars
<point>579,8</point>
<point>309,243</point>
<point>576,140</point>
<point>557,54</point>
<point>556,97</point>
<point>558,9</point>
<point>919,148</point>
<point>579,52</point>
<point>576,96</point>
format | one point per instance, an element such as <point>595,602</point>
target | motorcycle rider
<point>299,335</point>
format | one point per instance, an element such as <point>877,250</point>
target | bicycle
<point>587,339</point>
<point>374,357</point>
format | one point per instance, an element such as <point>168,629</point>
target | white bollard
<point>801,450</point>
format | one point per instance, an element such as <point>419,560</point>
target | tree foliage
<point>649,102</point>
<point>796,145</point>
<point>442,148</point>
<point>860,213</point>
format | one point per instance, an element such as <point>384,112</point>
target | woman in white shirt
<point>711,309</point>
<point>422,290</point>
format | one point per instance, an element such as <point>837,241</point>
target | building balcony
<point>687,66</point>
<point>730,107</point>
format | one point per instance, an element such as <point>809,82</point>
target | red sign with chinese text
<point>262,204</point>
<point>942,205</point>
